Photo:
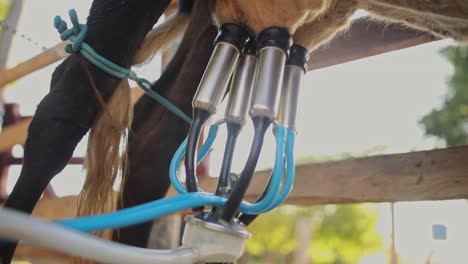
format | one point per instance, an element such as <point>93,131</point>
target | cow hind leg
<point>49,147</point>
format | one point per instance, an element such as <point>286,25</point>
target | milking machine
<point>263,76</point>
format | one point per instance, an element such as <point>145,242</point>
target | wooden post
<point>11,116</point>
<point>394,255</point>
<point>10,137</point>
<point>14,134</point>
<point>35,63</point>
<point>14,14</point>
<point>303,238</point>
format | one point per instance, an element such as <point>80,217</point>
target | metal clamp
<point>216,242</point>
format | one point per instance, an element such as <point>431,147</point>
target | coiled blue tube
<point>278,169</point>
<point>179,155</point>
<point>290,171</point>
<point>156,209</point>
<point>147,212</point>
<point>141,213</point>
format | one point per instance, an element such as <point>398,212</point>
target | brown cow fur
<point>323,27</point>
<point>320,20</point>
<point>445,19</point>
<point>260,14</point>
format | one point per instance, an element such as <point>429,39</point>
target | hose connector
<point>215,241</point>
<point>273,46</point>
<point>293,73</point>
<point>241,86</point>
<point>213,85</point>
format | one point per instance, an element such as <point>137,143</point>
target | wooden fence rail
<point>364,38</point>
<point>35,63</point>
<point>425,175</point>
<point>438,174</point>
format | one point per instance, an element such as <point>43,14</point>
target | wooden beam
<point>72,161</point>
<point>46,58</point>
<point>366,38</point>
<point>10,117</point>
<point>49,209</point>
<point>14,134</point>
<point>17,133</point>
<point>424,175</point>
<point>35,63</point>
<point>439,174</point>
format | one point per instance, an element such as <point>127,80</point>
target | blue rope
<point>77,34</point>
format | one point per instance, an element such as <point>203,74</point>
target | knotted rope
<point>77,34</point>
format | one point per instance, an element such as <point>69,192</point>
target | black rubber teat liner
<point>231,206</point>
<point>199,118</point>
<point>185,6</point>
<point>299,56</point>
<point>250,47</point>
<point>233,34</point>
<point>275,37</point>
<point>237,36</point>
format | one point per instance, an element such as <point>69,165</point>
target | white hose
<point>31,230</point>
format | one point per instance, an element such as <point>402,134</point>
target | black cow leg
<point>48,149</point>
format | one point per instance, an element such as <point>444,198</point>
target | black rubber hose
<point>223,182</point>
<point>233,132</point>
<point>230,209</point>
<point>199,119</point>
<point>247,219</point>
<point>299,56</point>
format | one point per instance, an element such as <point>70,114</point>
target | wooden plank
<point>11,116</point>
<point>72,161</point>
<point>49,209</point>
<point>366,38</point>
<point>424,175</point>
<point>439,174</point>
<point>35,63</point>
<point>46,58</point>
<point>17,133</point>
<point>14,134</point>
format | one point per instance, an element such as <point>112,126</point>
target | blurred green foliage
<point>450,121</point>
<point>4,6</point>
<point>339,234</point>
